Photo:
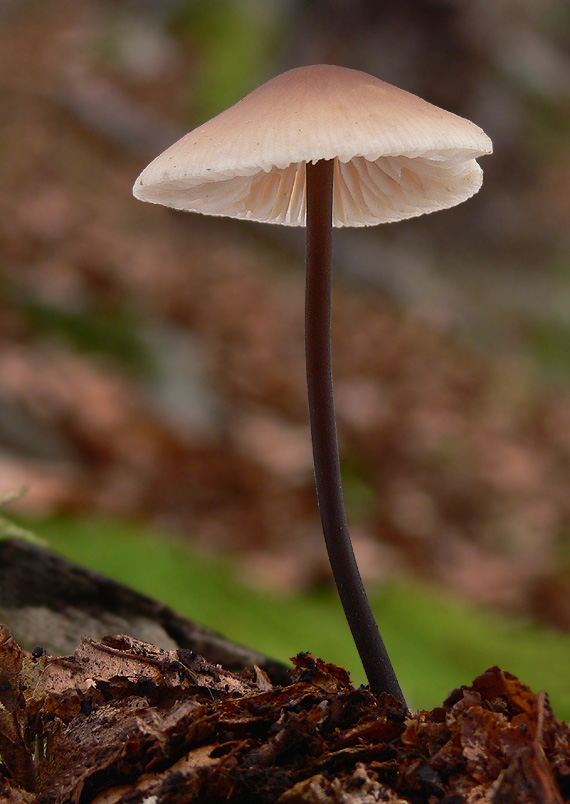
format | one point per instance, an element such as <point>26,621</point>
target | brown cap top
<point>396,156</point>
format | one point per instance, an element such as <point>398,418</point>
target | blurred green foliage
<point>232,41</point>
<point>549,347</point>
<point>360,495</point>
<point>548,128</point>
<point>8,528</point>
<point>98,329</point>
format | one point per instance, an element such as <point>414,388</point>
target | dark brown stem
<point>366,635</point>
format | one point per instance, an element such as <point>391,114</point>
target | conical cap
<point>396,156</point>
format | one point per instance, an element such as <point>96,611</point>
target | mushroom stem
<point>370,645</point>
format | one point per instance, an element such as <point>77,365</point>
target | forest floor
<point>124,721</point>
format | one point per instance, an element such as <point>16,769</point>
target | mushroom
<point>325,146</point>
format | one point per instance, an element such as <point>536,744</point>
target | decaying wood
<point>125,722</point>
<point>47,600</point>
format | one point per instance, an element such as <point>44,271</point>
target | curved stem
<point>366,635</point>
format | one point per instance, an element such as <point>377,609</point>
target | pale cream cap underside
<point>396,156</point>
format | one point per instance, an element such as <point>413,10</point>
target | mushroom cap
<point>396,156</point>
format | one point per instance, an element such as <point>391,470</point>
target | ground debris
<point>124,722</point>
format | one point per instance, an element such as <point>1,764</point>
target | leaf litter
<point>124,721</point>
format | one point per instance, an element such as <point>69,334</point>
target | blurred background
<point>151,362</point>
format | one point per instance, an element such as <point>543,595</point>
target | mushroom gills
<point>366,192</point>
